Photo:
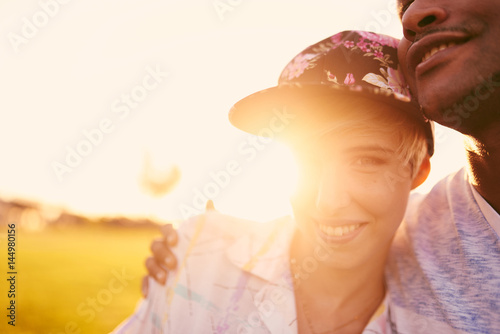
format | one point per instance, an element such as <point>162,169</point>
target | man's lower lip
<point>340,239</point>
<point>439,58</point>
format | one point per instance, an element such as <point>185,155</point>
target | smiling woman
<point>356,177</point>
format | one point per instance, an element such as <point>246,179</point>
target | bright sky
<point>67,68</point>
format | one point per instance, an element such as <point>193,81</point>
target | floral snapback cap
<point>344,66</point>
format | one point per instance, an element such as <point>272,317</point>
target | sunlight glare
<point>269,183</point>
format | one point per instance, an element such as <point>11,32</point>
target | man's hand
<point>163,260</point>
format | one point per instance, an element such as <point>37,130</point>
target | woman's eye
<point>365,161</point>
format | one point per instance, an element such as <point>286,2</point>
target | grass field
<point>75,280</point>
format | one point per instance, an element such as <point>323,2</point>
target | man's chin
<point>430,106</point>
<point>445,116</point>
<point>441,108</point>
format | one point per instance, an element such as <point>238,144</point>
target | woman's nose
<point>332,195</point>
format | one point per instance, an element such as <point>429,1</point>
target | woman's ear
<point>423,172</point>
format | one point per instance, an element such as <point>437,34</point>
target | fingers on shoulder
<point>170,234</point>
<point>156,271</point>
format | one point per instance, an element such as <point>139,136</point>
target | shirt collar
<point>491,216</point>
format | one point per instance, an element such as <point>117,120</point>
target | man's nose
<point>421,15</point>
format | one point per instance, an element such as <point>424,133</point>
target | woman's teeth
<point>338,231</point>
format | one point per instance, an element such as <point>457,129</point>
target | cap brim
<point>291,111</point>
<point>304,105</point>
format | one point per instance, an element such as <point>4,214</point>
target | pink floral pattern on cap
<point>298,65</point>
<point>333,56</point>
<point>349,79</point>
<point>382,39</point>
